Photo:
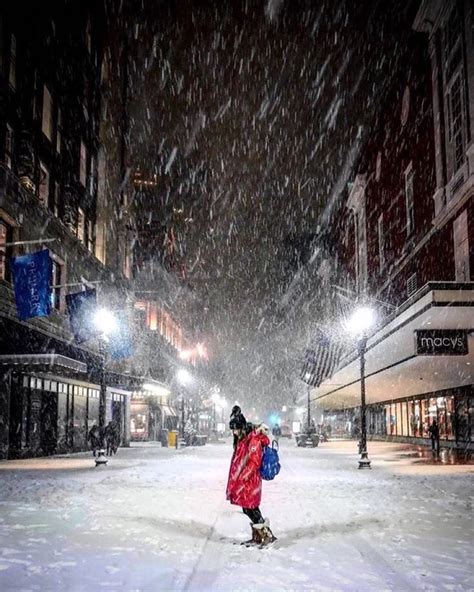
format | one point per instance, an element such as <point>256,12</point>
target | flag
<point>31,278</point>
<point>321,360</point>
<point>120,343</point>
<point>81,307</point>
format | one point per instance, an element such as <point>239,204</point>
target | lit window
<point>47,117</point>
<point>9,146</point>
<point>83,165</point>
<point>90,236</point>
<point>81,224</point>
<point>409,199</point>
<point>12,70</point>
<point>56,278</point>
<point>43,187</point>
<point>56,199</point>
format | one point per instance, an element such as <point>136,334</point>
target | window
<point>47,117</point>
<point>454,78</point>
<point>381,243</point>
<point>100,241</point>
<point>90,236</point>
<point>83,164</point>
<point>81,225</point>
<point>5,237</point>
<point>9,146</point>
<point>93,175</point>
<point>56,279</point>
<point>43,187</point>
<point>456,123</point>
<point>56,199</point>
<point>59,129</point>
<point>12,69</point>
<point>412,285</point>
<point>461,248</point>
<point>409,201</point>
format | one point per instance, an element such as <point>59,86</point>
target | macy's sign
<point>441,342</point>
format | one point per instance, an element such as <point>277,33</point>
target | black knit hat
<point>237,422</point>
<point>235,410</point>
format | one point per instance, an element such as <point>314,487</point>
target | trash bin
<point>172,438</point>
<point>164,438</point>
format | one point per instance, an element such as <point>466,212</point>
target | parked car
<point>308,438</point>
<point>286,431</point>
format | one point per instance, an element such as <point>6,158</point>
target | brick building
<point>403,240</point>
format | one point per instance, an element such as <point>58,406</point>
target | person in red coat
<point>244,486</point>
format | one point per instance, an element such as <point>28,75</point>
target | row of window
<point>412,418</point>
<point>157,319</point>
<point>53,386</point>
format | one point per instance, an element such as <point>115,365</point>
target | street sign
<point>441,342</point>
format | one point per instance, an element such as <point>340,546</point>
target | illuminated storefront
<point>419,369</point>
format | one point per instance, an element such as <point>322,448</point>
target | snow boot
<point>256,536</point>
<point>265,534</point>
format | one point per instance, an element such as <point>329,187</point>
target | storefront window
<point>80,420</point>
<point>404,415</point>
<point>425,420</point>
<point>411,418</point>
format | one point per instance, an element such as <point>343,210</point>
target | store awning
<point>394,366</point>
<point>168,411</point>
<point>43,361</point>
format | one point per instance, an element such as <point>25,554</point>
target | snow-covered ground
<point>157,519</point>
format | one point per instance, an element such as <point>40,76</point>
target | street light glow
<point>361,320</point>
<point>105,321</point>
<point>183,376</point>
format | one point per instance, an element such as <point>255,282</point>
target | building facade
<point>404,242</point>
<point>51,76</point>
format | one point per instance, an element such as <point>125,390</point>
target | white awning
<point>393,368</point>
<point>168,411</point>
<point>49,360</point>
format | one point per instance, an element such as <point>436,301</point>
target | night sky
<point>251,115</point>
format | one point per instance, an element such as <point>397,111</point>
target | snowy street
<point>157,519</point>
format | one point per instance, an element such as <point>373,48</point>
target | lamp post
<point>184,378</point>
<point>359,323</point>
<point>106,323</point>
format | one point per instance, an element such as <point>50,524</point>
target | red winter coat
<point>244,487</point>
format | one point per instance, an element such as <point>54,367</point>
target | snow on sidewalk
<point>157,519</point>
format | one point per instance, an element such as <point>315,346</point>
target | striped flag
<point>320,361</point>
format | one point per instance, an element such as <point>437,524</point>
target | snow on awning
<point>168,411</point>
<point>48,360</point>
<point>394,367</point>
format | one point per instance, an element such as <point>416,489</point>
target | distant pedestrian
<point>112,437</point>
<point>94,438</point>
<point>276,432</point>
<point>244,486</point>
<point>433,431</point>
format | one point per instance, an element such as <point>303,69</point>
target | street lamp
<point>106,324</point>
<point>361,320</point>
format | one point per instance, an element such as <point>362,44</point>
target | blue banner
<point>120,343</point>
<point>32,277</point>
<point>81,307</point>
